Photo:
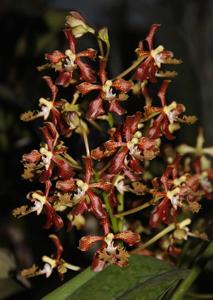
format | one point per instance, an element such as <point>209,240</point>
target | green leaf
<point>144,278</point>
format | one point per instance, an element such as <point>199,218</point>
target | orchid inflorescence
<point>116,175</point>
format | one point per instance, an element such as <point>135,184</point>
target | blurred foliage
<point>8,286</point>
<point>28,31</point>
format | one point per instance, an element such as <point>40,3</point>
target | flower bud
<point>180,234</point>
<point>72,119</point>
<point>77,24</point>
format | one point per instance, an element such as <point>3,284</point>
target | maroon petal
<point>171,172</point>
<point>64,170</point>
<point>107,176</point>
<point>86,242</point>
<point>33,157</point>
<point>115,107</point>
<point>147,96</point>
<point>103,185</point>
<point>58,245</point>
<point>142,73</point>
<point>95,108</point>
<point>129,237</point>
<point>67,185</point>
<point>130,125</point>
<point>102,70</point>
<point>55,56</point>
<point>117,163</point>
<point>86,71</point>
<point>113,198</point>
<point>71,39</point>
<point>88,168</point>
<point>162,92</point>
<point>151,34</point>
<point>48,185</point>
<point>132,176</point>
<point>57,221</point>
<point>104,222</point>
<point>96,205</point>
<point>50,134</point>
<point>136,166</point>
<point>161,213</point>
<point>52,217</point>
<point>79,208</point>
<point>90,53</point>
<point>86,87</point>
<point>116,135</point>
<point>97,264</point>
<point>56,117</point>
<point>111,145</point>
<point>97,208</point>
<point>151,110</point>
<point>52,86</point>
<point>152,72</point>
<point>64,78</point>
<point>155,183</point>
<point>122,85</point>
<point>165,129</point>
<point>45,175</point>
<point>97,153</point>
<point>155,131</point>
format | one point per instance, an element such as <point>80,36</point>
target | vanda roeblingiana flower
<point>115,179</point>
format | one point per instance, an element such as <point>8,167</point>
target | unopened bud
<point>77,24</point>
<point>180,234</point>
<point>72,119</point>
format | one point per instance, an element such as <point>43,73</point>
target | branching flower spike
<point>115,179</point>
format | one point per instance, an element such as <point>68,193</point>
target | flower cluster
<point>114,179</point>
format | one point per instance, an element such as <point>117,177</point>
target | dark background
<point>31,28</point>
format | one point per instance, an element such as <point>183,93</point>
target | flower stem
<point>101,49</point>
<point>165,231</point>
<point>86,143</point>
<point>75,97</point>
<point>109,210</point>
<point>132,67</point>
<point>120,209</point>
<point>104,168</point>
<point>72,161</point>
<point>184,286</point>
<point>133,210</point>
<point>95,125</point>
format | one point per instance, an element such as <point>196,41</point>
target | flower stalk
<point>162,233</point>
